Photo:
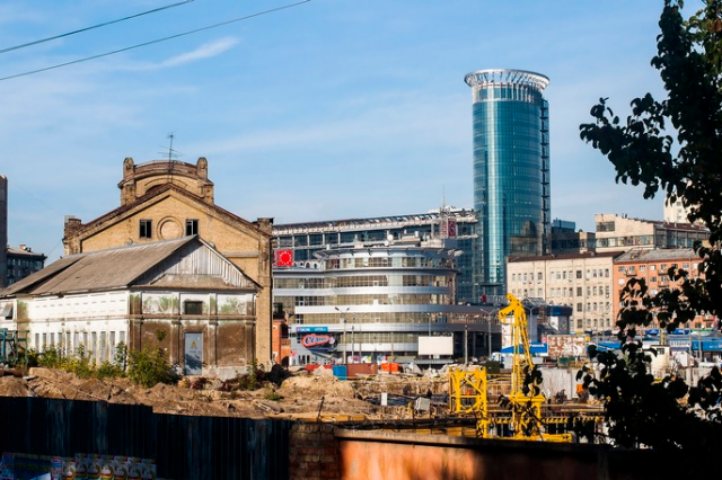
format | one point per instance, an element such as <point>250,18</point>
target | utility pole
<point>343,322</point>
<point>466,339</point>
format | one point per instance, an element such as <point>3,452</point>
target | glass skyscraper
<point>511,171</point>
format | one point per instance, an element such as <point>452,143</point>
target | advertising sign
<point>315,342</point>
<point>566,346</point>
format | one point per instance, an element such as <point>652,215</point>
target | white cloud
<point>207,50</point>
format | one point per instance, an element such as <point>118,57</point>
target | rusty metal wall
<point>184,447</point>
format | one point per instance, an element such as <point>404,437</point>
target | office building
<point>511,171</point>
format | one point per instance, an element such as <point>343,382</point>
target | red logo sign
<point>284,258</point>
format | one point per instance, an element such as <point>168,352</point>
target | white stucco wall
<point>95,321</point>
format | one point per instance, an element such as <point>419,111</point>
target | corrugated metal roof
<point>99,270</point>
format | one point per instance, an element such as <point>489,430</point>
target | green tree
<point>671,147</point>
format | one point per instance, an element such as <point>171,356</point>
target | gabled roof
<point>122,267</point>
<point>155,192</point>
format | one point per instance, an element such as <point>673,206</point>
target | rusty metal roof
<point>114,268</point>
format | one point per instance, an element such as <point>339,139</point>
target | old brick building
<point>167,199</point>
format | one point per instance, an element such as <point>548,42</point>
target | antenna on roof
<point>173,154</point>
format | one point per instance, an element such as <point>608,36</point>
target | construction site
<point>350,422</point>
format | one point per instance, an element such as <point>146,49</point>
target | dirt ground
<point>302,395</point>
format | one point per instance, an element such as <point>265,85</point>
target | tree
<point>671,147</point>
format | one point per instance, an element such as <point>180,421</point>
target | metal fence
<point>183,447</point>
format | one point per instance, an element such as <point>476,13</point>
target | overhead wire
<point>93,27</point>
<point>153,42</point>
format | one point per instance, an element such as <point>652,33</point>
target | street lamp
<point>343,322</point>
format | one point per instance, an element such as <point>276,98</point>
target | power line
<point>152,42</point>
<point>105,24</point>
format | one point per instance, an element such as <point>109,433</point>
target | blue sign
<point>311,329</point>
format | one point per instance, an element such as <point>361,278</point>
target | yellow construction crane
<point>525,398</point>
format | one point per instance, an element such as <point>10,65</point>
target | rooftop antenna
<point>173,154</point>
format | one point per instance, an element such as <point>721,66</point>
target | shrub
<point>50,358</point>
<point>149,367</point>
<point>251,380</point>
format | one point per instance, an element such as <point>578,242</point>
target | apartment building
<point>582,281</point>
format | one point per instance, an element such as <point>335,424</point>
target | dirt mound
<point>313,387</point>
<point>13,387</point>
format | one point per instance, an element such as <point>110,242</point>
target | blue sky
<point>332,109</point>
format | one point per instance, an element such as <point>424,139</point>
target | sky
<point>326,110</point>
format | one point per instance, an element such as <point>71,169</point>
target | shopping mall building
<point>370,301</point>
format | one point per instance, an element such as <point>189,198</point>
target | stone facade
<point>162,200</point>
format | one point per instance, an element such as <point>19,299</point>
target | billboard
<point>567,345</point>
<point>436,345</point>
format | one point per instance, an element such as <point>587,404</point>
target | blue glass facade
<point>511,171</point>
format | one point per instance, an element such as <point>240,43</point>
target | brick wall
<point>314,452</point>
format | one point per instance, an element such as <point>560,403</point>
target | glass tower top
<point>511,170</point>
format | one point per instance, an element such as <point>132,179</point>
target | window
<point>642,268</point>
<point>606,273</point>
<point>579,274</point>
<point>579,291</point>
<point>513,277</point>
<point>145,229</point>
<point>652,268</point>
<point>579,307</point>
<point>539,276</point>
<point>191,307</point>
<point>191,227</point>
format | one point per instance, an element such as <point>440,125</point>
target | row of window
<point>145,228</point>
<point>100,346</point>
<point>595,323</point>
<point>24,262</point>
<point>383,262</point>
<point>561,275</point>
<point>395,299</point>
<point>633,269</point>
<point>365,281</point>
<point>563,292</point>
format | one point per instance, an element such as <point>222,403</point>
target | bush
<point>252,379</point>
<point>149,367</point>
<point>50,358</point>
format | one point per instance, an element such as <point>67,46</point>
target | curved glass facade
<point>511,171</point>
<point>372,301</point>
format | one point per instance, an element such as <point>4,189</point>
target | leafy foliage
<point>673,147</point>
<point>149,367</point>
